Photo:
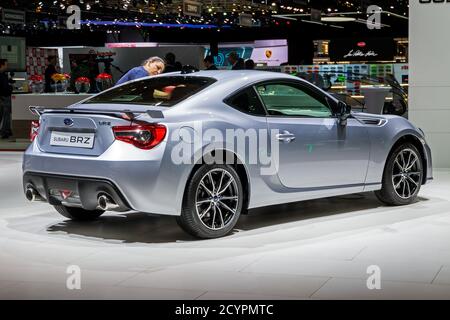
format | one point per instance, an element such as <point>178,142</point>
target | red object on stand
<point>83,84</point>
<point>104,81</point>
<point>83,80</point>
<point>104,76</point>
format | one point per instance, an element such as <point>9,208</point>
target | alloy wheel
<point>217,199</point>
<point>406,173</point>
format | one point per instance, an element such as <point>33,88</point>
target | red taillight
<point>142,136</point>
<point>34,130</point>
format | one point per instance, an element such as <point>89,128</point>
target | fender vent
<point>374,122</point>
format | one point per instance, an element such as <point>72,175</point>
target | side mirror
<point>344,112</point>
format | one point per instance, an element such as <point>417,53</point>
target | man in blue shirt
<point>151,67</point>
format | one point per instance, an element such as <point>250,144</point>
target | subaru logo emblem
<point>68,122</point>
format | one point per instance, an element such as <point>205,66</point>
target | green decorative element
<point>310,148</point>
<point>341,78</point>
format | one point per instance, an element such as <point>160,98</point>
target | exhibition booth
<point>318,169</point>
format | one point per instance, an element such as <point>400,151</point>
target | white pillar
<point>429,68</point>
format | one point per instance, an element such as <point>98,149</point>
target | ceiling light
<point>338,19</point>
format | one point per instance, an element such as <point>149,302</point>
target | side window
<point>282,99</point>
<point>247,101</point>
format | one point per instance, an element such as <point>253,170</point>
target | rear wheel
<point>78,214</point>
<point>212,203</point>
<point>402,176</point>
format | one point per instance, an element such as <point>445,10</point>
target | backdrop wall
<point>127,58</point>
<point>429,67</point>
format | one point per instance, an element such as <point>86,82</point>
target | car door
<point>315,151</point>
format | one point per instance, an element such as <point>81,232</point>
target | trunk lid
<point>78,134</point>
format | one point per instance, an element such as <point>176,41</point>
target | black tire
<point>79,214</point>
<point>406,191</point>
<point>190,219</point>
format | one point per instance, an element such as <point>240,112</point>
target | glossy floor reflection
<point>317,249</point>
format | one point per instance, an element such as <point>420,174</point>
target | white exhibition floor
<point>316,249</point>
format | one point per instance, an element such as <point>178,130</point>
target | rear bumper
<point>143,179</point>
<point>83,192</point>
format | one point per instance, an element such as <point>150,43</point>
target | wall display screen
<point>379,49</point>
<point>13,49</point>
<point>270,56</point>
<point>221,60</point>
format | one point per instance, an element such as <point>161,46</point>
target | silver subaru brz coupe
<point>207,146</point>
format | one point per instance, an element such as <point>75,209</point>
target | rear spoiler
<point>156,114</point>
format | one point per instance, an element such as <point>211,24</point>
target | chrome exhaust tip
<point>105,203</point>
<point>32,195</point>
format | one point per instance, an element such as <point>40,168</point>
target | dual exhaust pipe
<point>104,201</point>
<point>32,195</point>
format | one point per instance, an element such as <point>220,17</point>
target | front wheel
<point>213,202</point>
<point>78,214</point>
<point>402,176</point>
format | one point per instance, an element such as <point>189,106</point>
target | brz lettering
<point>83,140</point>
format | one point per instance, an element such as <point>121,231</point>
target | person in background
<point>171,64</point>
<point>151,67</point>
<point>209,63</point>
<point>49,71</point>
<point>178,66</point>
<point>236,62</point>
<point>249,64</point>
<point>6,90</point>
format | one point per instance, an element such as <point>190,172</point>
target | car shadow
<point>148,228</point>
<point>306,210</point>
<point>135,227</point>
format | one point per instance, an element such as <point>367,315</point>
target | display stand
<point>374,98</point>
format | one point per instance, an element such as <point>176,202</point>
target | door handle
<point>286,136</point>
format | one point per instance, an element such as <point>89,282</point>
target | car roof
<point>224,75</point>
<point>232,80</point>
<point>228,80</point>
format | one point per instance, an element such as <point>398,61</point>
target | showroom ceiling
<point>266,7</point>
<point>159,20</point>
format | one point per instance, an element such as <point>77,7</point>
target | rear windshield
<point>158,91</point>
